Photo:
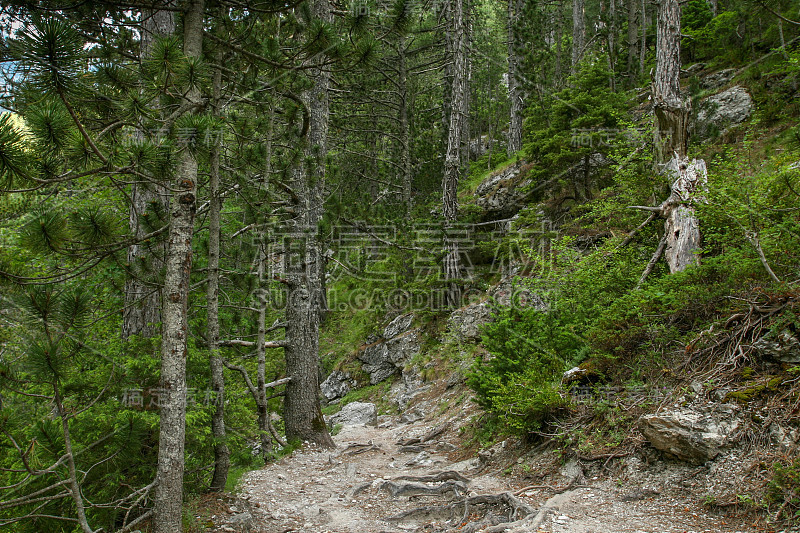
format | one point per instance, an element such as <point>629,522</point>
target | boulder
<point>717,79</point>
<point>502,194</point>
<point>720,111</point>
<point>356,414</point>
<point>337,385</point>
<point>398,326</point>
<point>386,358</point>
<point>407,388</point>
<point>479,147</point>
<point>508,294</point>
<point>694,435</point>
<point>783,347</point>
<point>466,323</point>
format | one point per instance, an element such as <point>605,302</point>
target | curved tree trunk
<point>169,488</point>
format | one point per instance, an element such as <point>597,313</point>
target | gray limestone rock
<point>337,385</point>
<point>398,326</point>
<point>720,111</point>
<point>356,414</point>
<point>783,347</point>
<point>386,358</point>
<point>502,194</point>
<point>691,434</point>
<point>468,321</point>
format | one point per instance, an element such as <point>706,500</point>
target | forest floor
<point>406,477</point>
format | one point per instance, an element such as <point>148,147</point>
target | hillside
<point>376,267</point>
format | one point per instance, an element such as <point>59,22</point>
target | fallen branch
<point>653,260</point>
<point>752,236</point>
<point>248,344</point>
<point>639,228</point>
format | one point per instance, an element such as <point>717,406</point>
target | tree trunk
<point>578,32</point>
<point>142,295</point>
<point>514,89</point>
<point>671,109</point>
<point>643,42</point>
<point>260,395</point>
<point>633,33</point>
<point>169,489</point>
<point>302,412</point>
<point>452,163</point>
<point>612,44</point>
<point>682,229</point>
<point>221,452</point>
<point>406,179</point>
<point>559,23</point>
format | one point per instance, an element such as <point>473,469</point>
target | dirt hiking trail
<point>397,478</point>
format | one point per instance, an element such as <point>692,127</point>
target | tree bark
<point>671,109</point>
<point>142,310</point>
<point>169,488</point>
<point>559,32</point>
<point>688,179</point>
<point>643,42</point>
<point>221,451</point>
<point>612,44</point>
<point>302,412</point>
<point>578,32</point>
<point>406,179</point>
<point>452,163</point>
<point>633,34</point>
<point>514,89</point>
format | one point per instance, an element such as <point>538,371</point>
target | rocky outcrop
<point>356,414</point>
<point>718,78</point>
<point>507,293</point>
<point>502,194</point>
<point>723,110</point>
<point>783,347</point>
<point>389,355</point>
<point>398,326</point>
<point>692,434</point>
<point>337,385</point>
<point>466,323</point>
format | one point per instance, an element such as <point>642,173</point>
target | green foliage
<point>783,491</point>
<point>529,350</point>
<point>568,135</point>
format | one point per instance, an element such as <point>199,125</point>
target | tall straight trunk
<point>559,42</point>
<point>578,32</point>
<point>302,412</point>
<point>406,178</point>
<point>633,34</point>
<point>142,295</point>
<point>671,109</point>
<point>169,488</point>
<point>221,451</point>
<point>514,89</point>
<point>262,405</point>
<point>452,162</point>
<point>612,44</point>
<point>643,42</point>
<point>467,81</point>
<point>688,178</point>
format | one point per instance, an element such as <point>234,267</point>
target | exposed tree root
<point>494,509</point>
